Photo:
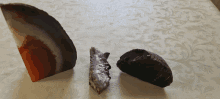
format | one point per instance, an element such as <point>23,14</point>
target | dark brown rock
<point>146,66</point>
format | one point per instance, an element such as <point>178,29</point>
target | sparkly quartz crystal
<point>99,70</point>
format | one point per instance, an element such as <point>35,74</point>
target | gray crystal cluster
<point>99,70</point>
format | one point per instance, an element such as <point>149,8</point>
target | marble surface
<point>184,32</point>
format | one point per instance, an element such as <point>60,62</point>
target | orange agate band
<point>38,58</point>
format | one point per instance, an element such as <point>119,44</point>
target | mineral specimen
<point>99,70</point>
<point>146,66</point>
<point>45,47</point>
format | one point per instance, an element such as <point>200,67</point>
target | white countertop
<point>184,32</point>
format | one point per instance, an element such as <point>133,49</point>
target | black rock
<point>146,66</point>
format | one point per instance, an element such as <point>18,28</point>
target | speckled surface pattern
<point>184,32</point>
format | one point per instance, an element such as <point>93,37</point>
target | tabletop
<point>184,32</point>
